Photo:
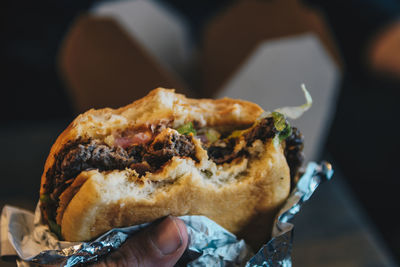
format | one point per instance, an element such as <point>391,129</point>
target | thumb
<point>161,244</point>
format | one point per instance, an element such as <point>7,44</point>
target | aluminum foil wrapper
<point>23,235</point>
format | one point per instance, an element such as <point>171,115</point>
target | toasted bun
<point>242,196</point>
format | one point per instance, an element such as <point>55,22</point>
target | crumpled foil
<point>24,235</point>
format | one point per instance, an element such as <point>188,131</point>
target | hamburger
<point>166,154</point>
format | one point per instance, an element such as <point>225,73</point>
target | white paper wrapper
<point>24,236</point>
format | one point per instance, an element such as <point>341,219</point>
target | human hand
<point>161,244</point>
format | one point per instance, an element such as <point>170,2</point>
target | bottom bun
<point>245,204</point>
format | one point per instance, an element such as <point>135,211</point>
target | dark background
<point>363,141</point>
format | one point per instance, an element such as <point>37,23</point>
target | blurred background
<point>60,58</point>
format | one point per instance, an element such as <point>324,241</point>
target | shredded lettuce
<point>187,129</point>
<point>296,112</point>
<point>280,115</point>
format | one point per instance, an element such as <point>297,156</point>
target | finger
<point>160,245</point>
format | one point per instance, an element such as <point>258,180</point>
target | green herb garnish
<point>187,129</point>
<point>286,132</point>
<point>282,125</point>
<point>279,121</point>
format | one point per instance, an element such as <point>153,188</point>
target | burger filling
<point>147,149</point>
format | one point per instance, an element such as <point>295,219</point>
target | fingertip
<point>182,230</point>
<point>169,236</point>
